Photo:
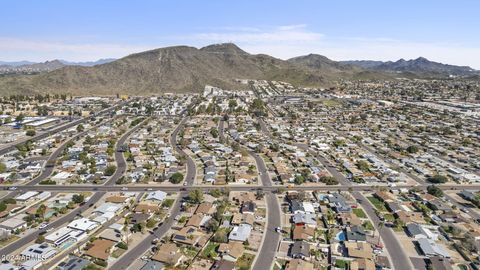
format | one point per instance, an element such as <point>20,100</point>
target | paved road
<point>66,218</point>
<point>271,239</point>
<point>418,179</point>
<point>399,259</point>
<point>128,258</point>
<point>175,188</point>
<point>120,158</point>
<point>55,224</point>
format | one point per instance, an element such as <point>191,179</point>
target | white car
<point>12,188</point>
<point>278,229</point>
<point>42,226</point>
<point>124,188</point>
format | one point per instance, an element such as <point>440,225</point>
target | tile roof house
<point>299,264</point>
<point>187,235</point>
<point>205,208</point>
<point>169,254</point>
<point>359,250</point>
<point>100,249</point>
<point>231,251</point>
<point>303,233</point>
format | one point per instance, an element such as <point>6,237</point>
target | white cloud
<point>292,33</point>
<point>13,49</point>
<point>282,41</point>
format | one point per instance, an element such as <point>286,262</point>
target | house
<point>300,250</point>
<point>303,233</point>
<point>198,220</point>
<point>338,203</point>
<point>169,254</point>
<point>231,251</point>
<point>14,223</point>
<point>248,207</point>
<point>362,264</point>
<point>39,252</point>
<point>153,265</point>
<point>157,196</point>
<point>205,208</point>
<point>440,263</point>
<point>301,219</point>
<point>418,231</point>
<point>100,249</point>
<point>83,224</point>
<point>73,263</point>
<point>299,264</point>
<point>65,234</point>
<point>240,233</point>
<point>26,196</point>
<point>108,207</point>
<point>430,248</point>
<point>139,217</point>
<point>359,250</point>
<point>187,235</point>
<point>223,265</point>
<point>239,218</point>
<point>356,234</point>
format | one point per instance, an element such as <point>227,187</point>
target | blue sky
<point>444,31</point>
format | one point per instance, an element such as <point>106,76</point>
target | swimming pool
<point>341,236</point>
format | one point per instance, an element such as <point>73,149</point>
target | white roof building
<point>83,224</point>
<point>156,196</point>
<point>26,196</point>
<point>240,233</point>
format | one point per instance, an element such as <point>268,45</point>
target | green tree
<point>78,198</point>
<point>195,196</point>
<point>438,179</point>
<point>176,178</point>
<point>435,191</point>
<point>110,170</point>
<point>299,179</point>
<point>80,128</point>
<point>30,132</point>
<point>412,149</point>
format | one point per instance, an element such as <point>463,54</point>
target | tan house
<point>299,264</point>
<point>100,249</point>
<point>169,254</point>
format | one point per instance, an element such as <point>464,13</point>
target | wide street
<point>136,252</point>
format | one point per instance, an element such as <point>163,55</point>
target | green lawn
<point>378,204</point>
<point>209,251</point>
<point>368,225</point>
<point>389,217</point>
<point>359,213</point>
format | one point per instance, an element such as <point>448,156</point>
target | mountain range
<point>187,69</point>
<point>420,66</point>
<point>36,67</point>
